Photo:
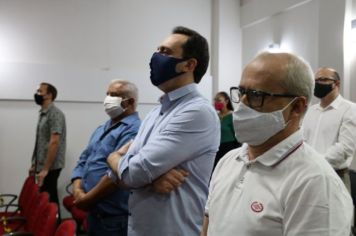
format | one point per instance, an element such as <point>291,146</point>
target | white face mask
<point>253,127</point>
<point>113,106</point>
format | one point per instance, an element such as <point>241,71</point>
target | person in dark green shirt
<point>228,141</point>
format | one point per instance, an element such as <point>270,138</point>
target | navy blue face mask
<point>163,68</point>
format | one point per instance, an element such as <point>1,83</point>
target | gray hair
<point>298,78</point>
<point>130,90</point>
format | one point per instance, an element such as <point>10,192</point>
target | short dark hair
<point>336,75</point>
<point>51,89</point>
<point>195,47</point>
<point>227,98</point>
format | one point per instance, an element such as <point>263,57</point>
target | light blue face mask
<point>163,68</point>
<point>253,127</point>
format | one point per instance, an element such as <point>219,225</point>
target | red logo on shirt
<point>257,207</point>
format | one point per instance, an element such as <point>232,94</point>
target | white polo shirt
<point>332,131</point>
<point>289,190</point>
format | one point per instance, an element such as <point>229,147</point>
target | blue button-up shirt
<point>183,132</point>
<point>92,162</point>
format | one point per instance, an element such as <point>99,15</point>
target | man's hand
<point>31,171</point>
<point>81,201</point>
<point>169,181</point>
<point>78,193</point>
<point>114,157</point>
<point>122,151</point>
<point>40,177</point>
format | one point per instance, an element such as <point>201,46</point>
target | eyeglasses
<point>255,98</point>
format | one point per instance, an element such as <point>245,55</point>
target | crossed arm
<point>163,184</point>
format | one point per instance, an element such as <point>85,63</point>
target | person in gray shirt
<point>48,155</point>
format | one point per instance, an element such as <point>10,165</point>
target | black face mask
<point>38,99</point>
<point>321,90</point>
<point>163,68</point>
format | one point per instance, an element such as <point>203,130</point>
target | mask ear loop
<point>294,99</point>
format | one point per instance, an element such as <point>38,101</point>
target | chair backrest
<point>68,202</point>
<point>78,214</point>
<point>26,190</point>
<point>46,223</point>
<point>66,228</point>
<point>32,195</point>
<point>39,205</point>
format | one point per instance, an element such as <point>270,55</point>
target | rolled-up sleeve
<point>56,121</point>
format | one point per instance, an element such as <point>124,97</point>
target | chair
<point>78,215</point>
<point>66,228</point>
<point>45,222</point>
<point>68,202</point>
<point>11,219</point>
<point>27,192</point>
<point>26,222</point>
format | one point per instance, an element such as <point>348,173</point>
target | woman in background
<point>224,108</point>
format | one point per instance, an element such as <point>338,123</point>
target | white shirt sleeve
<point>315,208</point>
<point>344,149</point>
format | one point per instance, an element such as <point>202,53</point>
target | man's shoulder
<point>132,120</point>
<point>198,102</point>
<point>347,109</point>
<point>348,104</point>
<point>227,161</point>
<point>55,110</point>
<point>310,163</point>
<point>313,107</point>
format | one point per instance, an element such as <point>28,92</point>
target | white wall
<point>71,42</point>
<point>313,29</point>
<point>226,41</point>
<point>352,57</point>
<point>79,46</point>
<point>293,25</point>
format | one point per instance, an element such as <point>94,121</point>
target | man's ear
<point>190,64</point>
<point>299,107</point>
<point>130,101</point>
<point>50,96</point>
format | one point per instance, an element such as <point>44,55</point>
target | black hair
<point>195,47</point>
<point>336,75</point>
<point>51,89</point>
<point>227,98</point>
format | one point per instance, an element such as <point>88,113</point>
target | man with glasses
<point>275,184</point>
<point>330,126</point>
<point>169,163</point>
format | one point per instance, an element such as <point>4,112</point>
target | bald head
<point>281,73</point>
<point>326,72</point>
